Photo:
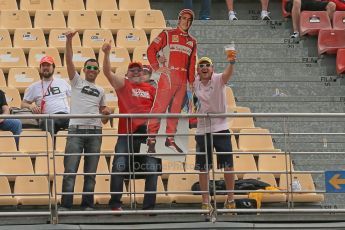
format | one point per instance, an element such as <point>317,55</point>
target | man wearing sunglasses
<point>87,98</point>
<point>178,49</point>
<point>210,91</point>
<point>135,96</point>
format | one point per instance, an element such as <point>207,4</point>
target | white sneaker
<point>294,35</point>
<point>265,15</point>
<point>232,16</point>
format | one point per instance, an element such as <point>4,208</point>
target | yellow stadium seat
<point>80,55</point>
<point>15,19</point>
<point>28,38</point>
<point>96,38</point>
<point>180,182</point>
<point>102,81</point>
<point>111,101</point>
<point>57,39</point>
<point>108,142</point>
<point>257,140</point>
<point>99,6</point>
<point>12,96</point>
<point>238,123</point>
<point>5,39</point>
<point>154,33</point>
<point>21,78</point>
<point>148,20</point>
<point>2,79</point>
<point>269,179</point>
<point>275,163</point>
<point>8,5</point>
<point>78,187</point>
<point>61,72</point>
<point>60,142</point>
<point>118,56</point>
<point>35,5</point>
<point>15,165</point>
<point>12,58</point>
<point>35,142</point>
<point>67,5</point>
<point>171,167</point>
<point>6,189</point>
<point>41,166</point>
<point>116,19</point>
<point>131,38</point>
<point>305,182</point>
<point>32,184</point>
<point>244,163</point>
<point>49,19</point>
<point>81,20</point>
<point>7,142</point>
<point>133,5</point>
<point>36,54</point>
<point>140,55</point>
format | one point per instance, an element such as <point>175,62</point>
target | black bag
<point>246,203</point>
<point>250,184</point>
<point>220,185</point>
<point>26,123</point>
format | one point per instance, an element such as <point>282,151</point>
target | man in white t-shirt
<point>48,96</point>
<point>87,98</point>
<point>210,90</point>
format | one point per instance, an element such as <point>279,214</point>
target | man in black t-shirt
<point>13,125</point>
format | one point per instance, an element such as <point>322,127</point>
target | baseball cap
<point>135,64</point>
<point>147,68</point>
<point>47,59</point>
<point>186,11</point>
<point>205,59</point>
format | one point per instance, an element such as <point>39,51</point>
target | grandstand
<point>274,74</point>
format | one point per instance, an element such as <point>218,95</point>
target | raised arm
<point>116,81</point>
<point>69,54</point>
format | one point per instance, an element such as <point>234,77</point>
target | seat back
<point>22,78</point>
<point>35,6</point>
<point>28,38</point>
<point>37,53</point>
<point>57,39</point>
<point>66,5</point>
<point>329,41</point>
<point>313,21</point>
<point>81,20</point>
<point>131,38</point>
<point>11,58</point>
<point>133,5</point>
<point>99,6</point>
<point>148,20</point>
<point>12,96</point>
<point>96,38</point>
<point>339,20</point>
<point>49,19</point>
<point>5,39</point>
<point>114,20</point>
<point>14,19</point>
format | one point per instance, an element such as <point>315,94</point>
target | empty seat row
<point>82,20</point>
<point>311,22</point>
<point>66,5</point>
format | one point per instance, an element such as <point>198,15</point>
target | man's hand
<point>106,47</point>
<point>69,35</point>
<point>106,111</point>
<point>2,120</point>
<point>35,109</point>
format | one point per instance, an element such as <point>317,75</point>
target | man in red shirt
<point>134,96</point>
<point>172,54</point>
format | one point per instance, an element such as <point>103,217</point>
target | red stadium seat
<point>340,62</point>
<point>339,20</point>
<point>284,12</point>
<point>313,21</point>
<point>330,41</point>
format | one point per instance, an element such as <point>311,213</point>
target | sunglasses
<point>91,67</point>
<point>204,65</point>
<point>135,70</point>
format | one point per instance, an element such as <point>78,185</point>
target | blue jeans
<point>59,124</point>
<point>205,8</point>
<point>13,125</point>
<point>90,144</point>
<point>124,163</point>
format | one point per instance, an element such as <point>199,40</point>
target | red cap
<point>147,68</point>
<point>47,59</point>
<point>135,64</point>
<point>186,11</point>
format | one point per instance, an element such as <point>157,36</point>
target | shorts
<point>310,5</point>
<point>222,143</point>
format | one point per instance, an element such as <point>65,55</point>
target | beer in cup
<point>230,51</point>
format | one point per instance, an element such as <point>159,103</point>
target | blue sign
<point>335,181</point>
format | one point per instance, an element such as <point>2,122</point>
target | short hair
<point>90,60</point>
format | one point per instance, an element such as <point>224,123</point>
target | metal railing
<point>53,194</point>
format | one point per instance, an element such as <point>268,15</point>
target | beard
<point>46,74</point>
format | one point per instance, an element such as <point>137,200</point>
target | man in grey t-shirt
<point>87,98</point>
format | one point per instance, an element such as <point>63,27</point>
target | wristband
<point>232,62</point>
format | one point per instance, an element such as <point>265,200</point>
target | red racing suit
<point>179,48</point>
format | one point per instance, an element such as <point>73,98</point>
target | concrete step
<point>292,99</point>
<point>278,78</point>
<point>294,107</point>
